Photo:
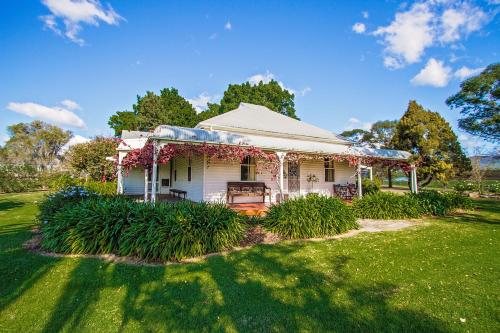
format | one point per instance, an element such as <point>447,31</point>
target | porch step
<point>250,209</point>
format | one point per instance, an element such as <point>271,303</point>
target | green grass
<point>422,279</point>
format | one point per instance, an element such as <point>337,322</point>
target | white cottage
<point>313,167</point>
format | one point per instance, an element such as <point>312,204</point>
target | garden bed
<point>255,235</point>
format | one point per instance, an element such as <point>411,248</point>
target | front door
<point>293,178</point>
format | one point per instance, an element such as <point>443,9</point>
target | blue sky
<point>350,63</point>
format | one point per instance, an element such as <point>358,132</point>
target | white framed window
<point>189,170</point>
<point>248,169</point>
<point>329,170</point>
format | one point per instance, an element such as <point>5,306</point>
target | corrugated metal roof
<point>253,119</point>
<point>379,153</point>
<point>135,134</point>
<point>175,133</point>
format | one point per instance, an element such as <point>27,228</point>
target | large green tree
<point>270,95</point>
<point>432,142</point>
<point>379,135</point>
<point>151,110</point>
<point>37,143</point>
<point>477,101</point>
<point>89,159</point>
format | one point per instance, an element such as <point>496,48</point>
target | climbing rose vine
<point>265,162</point>
<point>143,157</point>
<point>351,159</point>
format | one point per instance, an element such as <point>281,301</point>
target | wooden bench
<point>247,189</point>
<point>178,193</point>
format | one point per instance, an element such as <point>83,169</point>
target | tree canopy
<point>89,159</point>
<point>270,95</point>
<point>379,135</point>
<point>432,142</point>
<point>169,108</point>
<point>37,143</point>
<point>477,101</point>
<point>151,110</point>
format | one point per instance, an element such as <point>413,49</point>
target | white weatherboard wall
<point>219,173</point>
<point>194,188</point>
<point>133,181</point>
<point>209,180</point>
<point>343,174</point>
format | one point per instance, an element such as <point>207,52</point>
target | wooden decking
<point>250,209</point>
<point>159,197</point>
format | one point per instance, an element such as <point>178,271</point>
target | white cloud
<point>71,105</point>
<point>473,144</point>
<point>392,63</point>
<point>3,139</point>
<point>465,72</point>
<point>268,76</point>
<point>353,123</point>
<point>409,34</point>
<point>459,21</point>
<point>212,36</point>
<point>435,74</point>
<point>304,91</point>
<point>228,26</point>
<point>73,13</point>
<point>426,24</point>
<point>200,103</point>
<point>365,14</point>
<point>54,114</point>
<point>359,28</point>
<point>73,141</point>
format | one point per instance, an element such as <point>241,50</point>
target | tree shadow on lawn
<point>6,205</point>
<point>19,269</point>
<point>485,211</point>
<point>265,289</point>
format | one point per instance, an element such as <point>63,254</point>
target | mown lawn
<point>424,279</point>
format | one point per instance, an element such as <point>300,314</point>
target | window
<point>329,170</point>
<point>189,170</point>
<point>248,169</point>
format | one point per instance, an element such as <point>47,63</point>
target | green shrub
<point>165,231</point>
<point>386,206</point>
<point>459,201</point>
<point>61,181</point>
<point>440,204</point>
<point>464,186</point>
<point>102,188</point>
<point>56,201</point>
<point>19,178</point>
<point>494,187</point>
<point>92,226</point>
<point>310,216</point>
<point>371,186</point>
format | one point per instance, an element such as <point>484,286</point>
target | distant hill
<point>489,161</point>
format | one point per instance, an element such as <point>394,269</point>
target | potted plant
<point>311,179</point>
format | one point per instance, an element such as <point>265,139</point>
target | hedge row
<point>310,216</point>
<point>165,231</point>
<point>385,205</point>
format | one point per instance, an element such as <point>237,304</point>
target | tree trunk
<point>389,176</point>
<point>425,182</point>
